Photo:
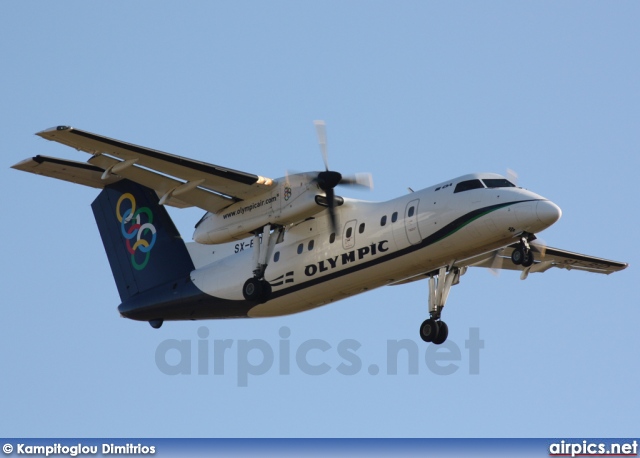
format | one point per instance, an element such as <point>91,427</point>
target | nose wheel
<point>522,254</point>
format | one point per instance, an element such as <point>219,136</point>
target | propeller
<point>541,246</point>
<point>496,262</point>
<point>329,179</point>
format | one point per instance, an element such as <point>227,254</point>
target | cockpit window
<point>498,183</point>
<point>468,185</point>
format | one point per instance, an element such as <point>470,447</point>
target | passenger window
<point>412,210</point>
<point>383,220</point>
<point>361,228</point>
<point>310,246</point>
<point>300,248</point>
<point>332,237</point>
<point>276,257</point>
<point>349,232</point>
<point>394,217</point>
<point>468,185</point>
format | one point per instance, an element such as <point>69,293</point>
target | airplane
<point>271,247</point>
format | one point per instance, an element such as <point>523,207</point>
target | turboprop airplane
<point>270,247</point>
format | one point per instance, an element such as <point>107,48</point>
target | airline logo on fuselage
<point>346,258</point>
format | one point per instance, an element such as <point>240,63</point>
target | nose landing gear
<point>522,254</point>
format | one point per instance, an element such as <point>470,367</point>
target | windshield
<point>468,185</point>
<point>498,183</point>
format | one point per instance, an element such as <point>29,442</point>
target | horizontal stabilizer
<point>62,169</point>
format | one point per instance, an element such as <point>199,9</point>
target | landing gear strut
<point>433,329</point>
<point>256,288</point>
<point>522,254</point>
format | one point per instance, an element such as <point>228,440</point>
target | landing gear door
<point>411,222</point>
<point>349,235</point>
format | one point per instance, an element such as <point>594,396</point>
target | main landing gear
<point>256,288</point>
<point>522,254</point>
<point>433,329</point>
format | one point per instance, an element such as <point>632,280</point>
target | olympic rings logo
<point>137,228</point>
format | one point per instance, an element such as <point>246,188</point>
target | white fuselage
<point>379,243</point>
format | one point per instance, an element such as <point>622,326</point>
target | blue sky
<point>413,92</point>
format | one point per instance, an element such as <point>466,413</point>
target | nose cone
<point>548,212</point>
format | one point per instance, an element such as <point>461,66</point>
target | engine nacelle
<point>292,201</point>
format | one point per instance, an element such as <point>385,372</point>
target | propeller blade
<point>321,131</point>
<point>541,246</point>
<point>512,176</point>
<point>331,206</point>
<point>359,179</point>
<point>496,262</point>
<point>329,179</point>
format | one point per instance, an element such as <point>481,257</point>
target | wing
<point>179,181</point>
<point>545,259</point>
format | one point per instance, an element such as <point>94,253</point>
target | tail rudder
<point>143,245</point>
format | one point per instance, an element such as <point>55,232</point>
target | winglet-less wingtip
<point>51,131</point>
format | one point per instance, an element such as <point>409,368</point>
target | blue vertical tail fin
<point>143,245</point>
